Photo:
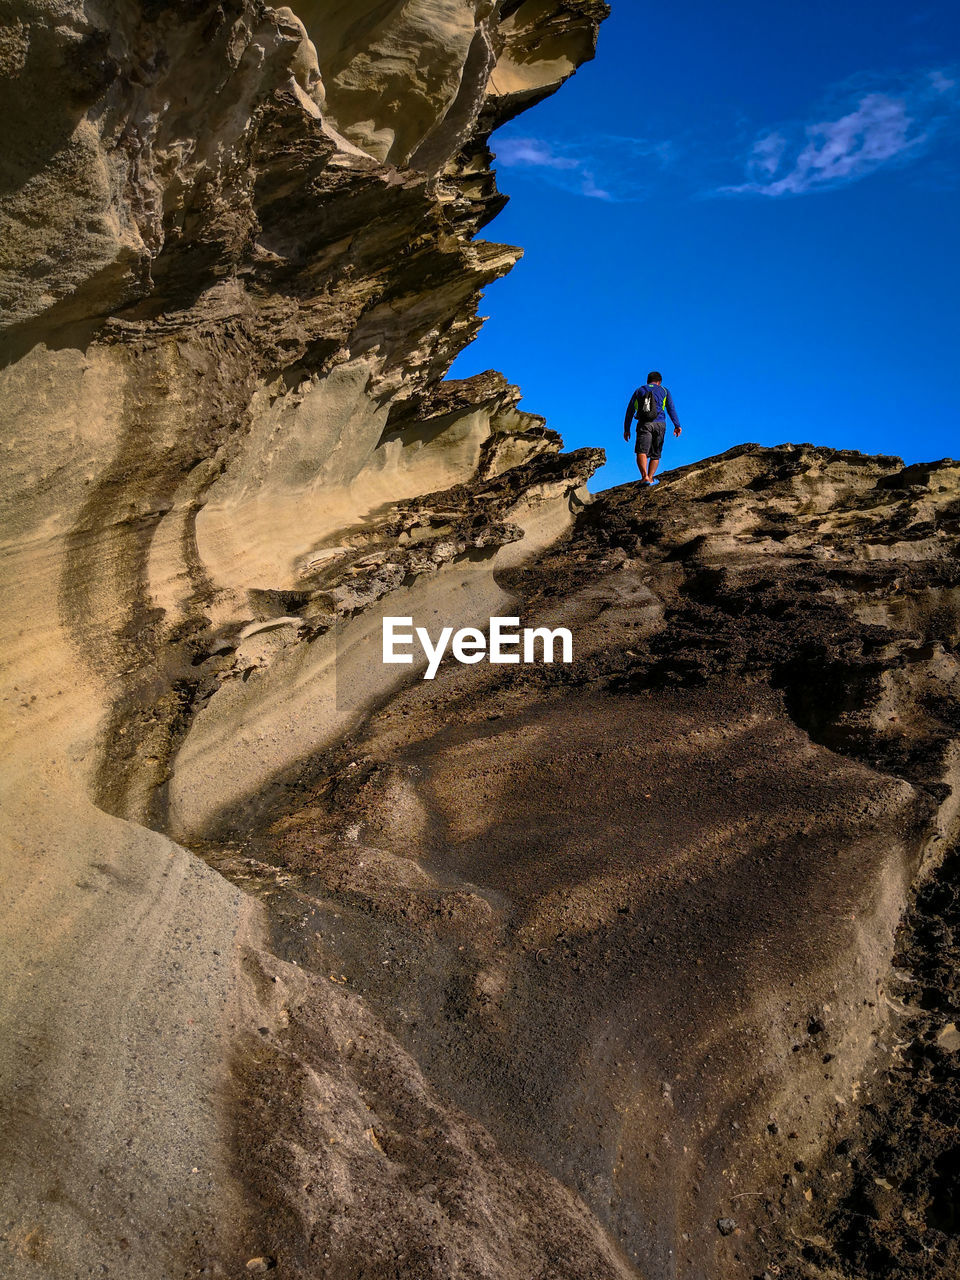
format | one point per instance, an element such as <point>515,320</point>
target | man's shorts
<point>650,438</point>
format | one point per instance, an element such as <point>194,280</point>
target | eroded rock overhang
<point>239,254</point>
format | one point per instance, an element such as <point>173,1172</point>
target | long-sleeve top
<point>663,398</point>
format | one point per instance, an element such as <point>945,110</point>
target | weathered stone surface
<point>637,914</point>
<point>522,972</point>
<point>238,256</point>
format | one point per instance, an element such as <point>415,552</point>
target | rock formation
<point>571,971</point>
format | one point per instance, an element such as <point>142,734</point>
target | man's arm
<point>628,417</point>
<point>672,410</point>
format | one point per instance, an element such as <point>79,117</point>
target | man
<point>650,434</point>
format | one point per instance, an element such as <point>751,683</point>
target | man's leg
<point>656,448</point>
<point>643,450</point>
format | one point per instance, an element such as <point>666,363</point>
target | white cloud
<point>590,188</point>
<point>868,124</point>
<point>606,167</point>
<point>875,129</point>
<point>531,151</point>
<point>768,152</point>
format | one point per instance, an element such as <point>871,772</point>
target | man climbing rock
<point>650,405</point>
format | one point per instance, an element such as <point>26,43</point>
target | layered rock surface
<point>238,256</point>
<point>637,914</point>
<point>536,972</point>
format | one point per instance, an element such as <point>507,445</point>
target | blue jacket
<point>663,398</point>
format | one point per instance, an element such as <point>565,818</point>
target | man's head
<point>653,376</point>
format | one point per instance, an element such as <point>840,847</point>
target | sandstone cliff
<point>506,975</point>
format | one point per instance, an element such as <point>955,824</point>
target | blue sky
<point>762,201</point>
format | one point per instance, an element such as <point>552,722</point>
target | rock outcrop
<point>519,972</point>
<point>637,913</point>
<point>239,252</point>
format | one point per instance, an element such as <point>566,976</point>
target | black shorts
<point>650,438</point>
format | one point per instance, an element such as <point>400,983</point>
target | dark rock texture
<point>637,914</point>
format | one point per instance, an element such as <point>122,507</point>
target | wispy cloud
<point>864,126</point>
<point>872,129</point>
<point>610,167</point>
<point>768,152</point>
<point>941,83</point>
<point>531,151</point>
